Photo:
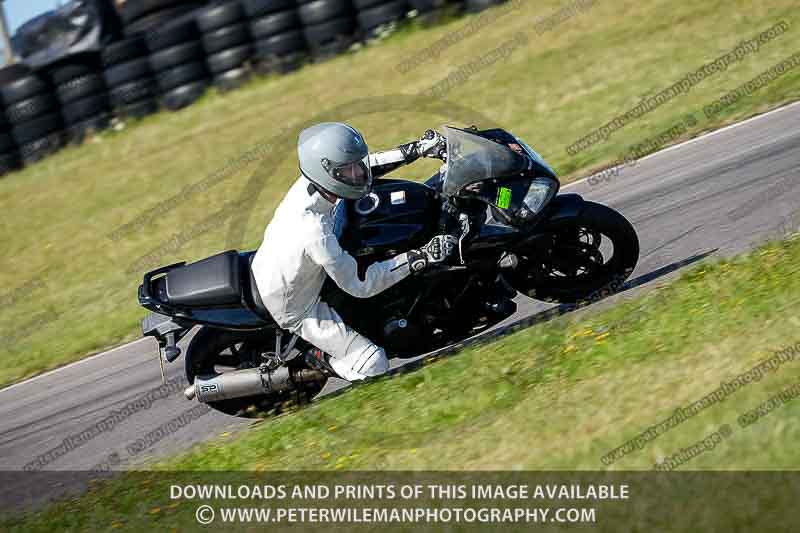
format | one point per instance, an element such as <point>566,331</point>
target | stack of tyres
<point>143,16</point>
<point>226,39</point>
<point>279,44</point>
<point>9,155</point>
<point>82,94</point>
<point>132,88</point>
<point>34,116</point>
<point>373,15</point>
<point>329,26</point>
<point>177,58</point>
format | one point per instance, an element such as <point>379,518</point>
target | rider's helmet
<point>335,157</point>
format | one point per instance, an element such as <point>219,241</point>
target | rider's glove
<point>431,144</point>
<point>436,251</point>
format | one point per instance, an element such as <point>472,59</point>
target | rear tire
<point>205,352</point>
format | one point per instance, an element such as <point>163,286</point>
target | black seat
<point>211,281</point>
<point>256,297</point>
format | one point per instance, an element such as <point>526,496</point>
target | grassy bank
<point>559,395</point>
<point>68,288</point>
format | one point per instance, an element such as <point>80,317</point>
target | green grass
<point>57,215</point>
<point>559,395</point>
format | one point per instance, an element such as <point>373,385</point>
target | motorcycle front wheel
<point>579,258</point>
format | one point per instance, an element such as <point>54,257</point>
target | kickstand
<point>161,365</point>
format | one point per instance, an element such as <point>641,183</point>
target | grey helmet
<point>335,157</point>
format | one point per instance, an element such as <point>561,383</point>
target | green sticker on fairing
<point>503,197</point>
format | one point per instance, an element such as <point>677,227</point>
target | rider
<point>299,247</point>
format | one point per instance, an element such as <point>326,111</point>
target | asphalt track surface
<point>718,195</point>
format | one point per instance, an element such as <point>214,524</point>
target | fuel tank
<point>398,215</point>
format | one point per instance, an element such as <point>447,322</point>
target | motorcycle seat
<point>208,282</point>
<point>258,303</point>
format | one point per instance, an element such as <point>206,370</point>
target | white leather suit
<point>298,251</point>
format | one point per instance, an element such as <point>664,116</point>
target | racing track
<point>719,194</point>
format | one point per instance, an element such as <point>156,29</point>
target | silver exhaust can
<point>237,384</point>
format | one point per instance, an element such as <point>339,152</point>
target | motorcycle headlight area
<point>540,192</point>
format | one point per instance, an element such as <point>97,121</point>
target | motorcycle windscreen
<point>472,158</point>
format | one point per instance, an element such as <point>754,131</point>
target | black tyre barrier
<point>219,15</point>
<point>172,34</point>
<point>7,143</point>
<point>34,107</point>
<point>84,109</point>
<point>127,72</point>
<point>232,79</point>
<point>40,148</point>
<point>13,72</point>
<point>371,18</point>
<point>360,5</point>
<point>280,45</point>
<point>274,24</point>
<point>226,37</point>
<point>229,59</point>
<point>131,10</point>
<point>258,8</point>
<point>181,97</point>
<point>74,66</point>
<point>36,129</point>
<point>181,75</point>
<point>177,55</point>
<point>330,37</point>
<point>319,11</point>
<point>82,87</point>
<point>124,51</point>
<point>78,132</point>
<point>24,88</point>
<point>135,91</point>
<point>137,110</point>
<point>155,21</point>
<point>9,162</point>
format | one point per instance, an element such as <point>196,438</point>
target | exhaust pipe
<point>247,382</point>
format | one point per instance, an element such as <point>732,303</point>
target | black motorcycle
<point>515,234</point>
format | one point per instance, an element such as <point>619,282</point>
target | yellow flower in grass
<point>601,337</point>
<point>155,510</point>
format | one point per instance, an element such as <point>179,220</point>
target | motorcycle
<point>516,234</point>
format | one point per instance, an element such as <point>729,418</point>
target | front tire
<point>571,262</point>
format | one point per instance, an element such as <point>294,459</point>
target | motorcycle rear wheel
<point>213,351</point>
<point>573,267</point>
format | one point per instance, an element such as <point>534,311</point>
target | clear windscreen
<point>471,158</point>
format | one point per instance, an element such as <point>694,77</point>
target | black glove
<point>431,144</point>
<point>436,251</point>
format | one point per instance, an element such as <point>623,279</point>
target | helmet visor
<point>355,173</point>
